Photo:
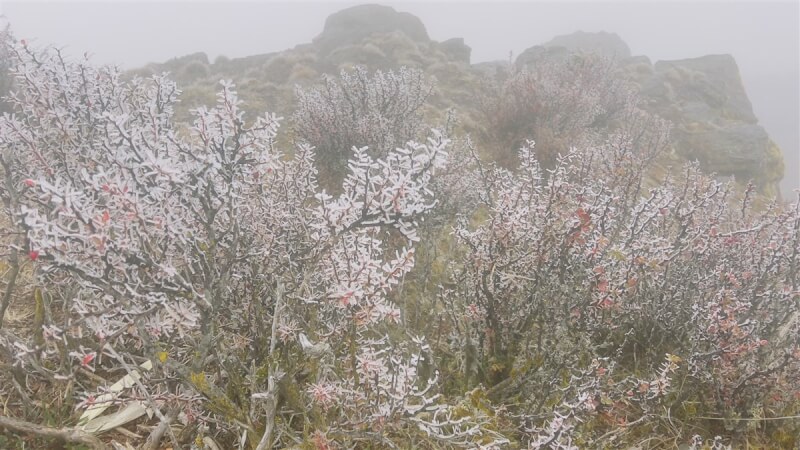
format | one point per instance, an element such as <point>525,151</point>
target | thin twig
<point>158,432</point>
<point>748,419</point>
<point>64,434</point>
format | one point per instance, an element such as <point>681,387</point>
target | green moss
<point>218,402</point>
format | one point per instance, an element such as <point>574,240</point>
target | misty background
<point>763,37</point>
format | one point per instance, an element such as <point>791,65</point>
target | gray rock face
<point>712,81</point>
<point>539,53</point>
<point>456,50</point>
<point>713,119</point>
<point>352,25</point>
<point>600,43</point>
<point>704,98</point>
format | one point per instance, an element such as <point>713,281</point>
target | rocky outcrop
<point>598,43</point>
<point>601,43</point>
<point>539,53</point>
<point>713,120</point>
<point>381,37</point>
<point>352,25</point>
<point>704,98</point>
<point>456,50</point>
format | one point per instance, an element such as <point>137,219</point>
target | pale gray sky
<point>764,37</point>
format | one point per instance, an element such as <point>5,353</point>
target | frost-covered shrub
<point>210,255</point>
<point>380,110</point>
<point>572,302</point>
<point>559,103</point>
<point>5,78</point>
<point>588,274</point>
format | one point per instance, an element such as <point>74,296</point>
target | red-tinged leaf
<point>584,216</point>
<point>344,300</point>
<point>602,285</point>
<point>87,359</point>
<point>29,182</point>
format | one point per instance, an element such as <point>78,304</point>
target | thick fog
<point>762,36</point>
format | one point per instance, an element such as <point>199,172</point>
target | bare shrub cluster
<point>563,103</point>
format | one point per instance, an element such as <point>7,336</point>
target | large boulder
<point>456,50</point>
<point>713,119</point>
<point>704,98</point>
<point>704,87</point>
<point>540,53</point>
<point>352,25</point>
<point>600,43</point>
